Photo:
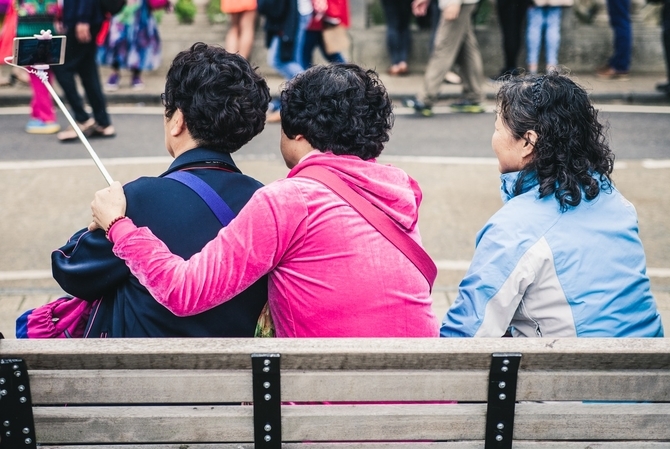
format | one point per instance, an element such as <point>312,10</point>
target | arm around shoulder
<point>245,250</point>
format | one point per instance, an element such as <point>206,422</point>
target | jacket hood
<point>388,188</point>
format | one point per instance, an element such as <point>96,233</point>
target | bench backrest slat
<point>552,421</point>
<point>354,354</point>
<point>211,386</point>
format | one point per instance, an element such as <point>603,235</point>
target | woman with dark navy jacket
<point>214,104</point>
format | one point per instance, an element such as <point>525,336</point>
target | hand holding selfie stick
<point>41,71</point>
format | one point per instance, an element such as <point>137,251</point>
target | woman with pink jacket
<point>331,274</point>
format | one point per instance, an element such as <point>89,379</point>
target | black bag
<point>113,7</point>
<point>274,10</point>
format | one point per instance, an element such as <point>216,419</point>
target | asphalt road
<point>632,135</point>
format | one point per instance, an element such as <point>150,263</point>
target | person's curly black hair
<point>223,99</point>
<point>571,154</point>
<point>340,108</point>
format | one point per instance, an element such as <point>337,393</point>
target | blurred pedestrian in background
<point>33,17</point>
<point>82,20</point>
<point>285,39</point>
<point>242,18</point>
<point>455,41</point>
<point>544,24</point>
<point>330,16</point>
<point>132,43</point>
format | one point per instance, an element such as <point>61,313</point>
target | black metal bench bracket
<point>501,401</point>
<point>17,426</point>
<point>267,400</point>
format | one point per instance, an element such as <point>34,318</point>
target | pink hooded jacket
<point>331,274</point>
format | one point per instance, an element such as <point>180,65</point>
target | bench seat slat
<point>344,353</point>
<point>211,386</point>
<point>559,421</point>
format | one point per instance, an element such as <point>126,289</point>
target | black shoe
<point>663,87</point>
<point>423,109</point>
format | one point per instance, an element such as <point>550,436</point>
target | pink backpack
<point>63,318</point>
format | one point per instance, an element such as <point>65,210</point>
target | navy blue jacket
<point>285,26</point>
<point>86,267</point>
<point>82,11</point>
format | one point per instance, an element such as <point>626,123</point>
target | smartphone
<point>32,51</point>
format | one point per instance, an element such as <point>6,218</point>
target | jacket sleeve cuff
<point>121,229</point>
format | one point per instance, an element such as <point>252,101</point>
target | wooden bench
<point>196,393</point>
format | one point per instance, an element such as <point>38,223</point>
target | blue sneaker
<point>36,126</point>
<point>421,108</point>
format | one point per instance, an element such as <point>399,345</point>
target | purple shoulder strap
<point>378,219</point>
<point>219,207</point>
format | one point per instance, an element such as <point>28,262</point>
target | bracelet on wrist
<point>112,223</point>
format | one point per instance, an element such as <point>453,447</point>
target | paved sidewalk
<point>640,89</point>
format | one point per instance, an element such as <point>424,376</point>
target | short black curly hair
<point>340,108</point>
<point>223,99</point>
<point>571,154</point>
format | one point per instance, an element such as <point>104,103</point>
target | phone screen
<point>31,51</point>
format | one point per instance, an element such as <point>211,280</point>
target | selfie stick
<point>41,72</point>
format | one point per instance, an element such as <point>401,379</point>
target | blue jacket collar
<point>202,156</point>
<point>509,181</point>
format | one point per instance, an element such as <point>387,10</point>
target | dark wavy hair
<point>571,154</point>
<point>340,108</point>
<point>223,99</point>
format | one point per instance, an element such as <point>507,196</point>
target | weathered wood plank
<point>407,445</point>
<point>579,421</point>
<point>431,422</point>
<point>211,386</point>
<point>460,354</point>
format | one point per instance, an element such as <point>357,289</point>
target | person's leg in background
<point>434,14</point>
<point>620,21</point>
<point>333,58</point>
<point>448,40</point>
<point>90,80</point>
<point>43,115</point>
<point>534,29</point>
<point>287,69</point>
<point>469,58</point>
<point>511,14</point>
<point>310,43</point>
<point>665,39</point>
<point>65,76</point>
<point>136,82</point>
<point>240,35</point>
<point>552,35</point>
<point>247,32</point>
<point>398,38</point>
<point>114,79</point>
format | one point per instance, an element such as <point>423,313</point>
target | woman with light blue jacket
<point>562,257</point>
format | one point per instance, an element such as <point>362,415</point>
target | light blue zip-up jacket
<point>546,273</point>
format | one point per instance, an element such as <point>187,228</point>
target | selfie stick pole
<point>41,72</point>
